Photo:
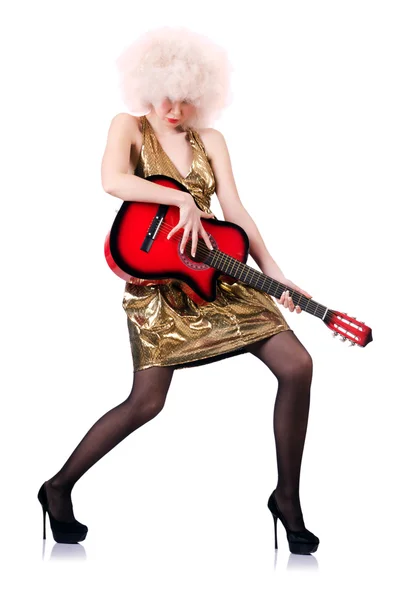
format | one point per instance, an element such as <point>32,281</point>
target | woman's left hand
<point>286,299</point>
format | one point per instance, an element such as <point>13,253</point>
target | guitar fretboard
<point>258,280</point>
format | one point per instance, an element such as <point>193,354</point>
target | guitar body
<point>142,255</point>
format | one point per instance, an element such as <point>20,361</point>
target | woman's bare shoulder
<point>212,139</point>
<point>126,123</point>
<point>209,133</point>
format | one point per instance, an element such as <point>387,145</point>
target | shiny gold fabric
<point>166,327</point>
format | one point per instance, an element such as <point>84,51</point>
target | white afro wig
<point>175,63</point>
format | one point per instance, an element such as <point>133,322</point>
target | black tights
<point>287,359</point>
<point>290,362</point>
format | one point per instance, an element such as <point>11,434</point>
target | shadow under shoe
<point>300,542</point>
<point>63,532</point>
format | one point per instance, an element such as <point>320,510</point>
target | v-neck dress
<point>166,327</point>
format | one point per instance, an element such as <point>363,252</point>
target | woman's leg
<point>290,362</point>
<point>147,398</point>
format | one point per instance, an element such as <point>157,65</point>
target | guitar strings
<point>202,246</point>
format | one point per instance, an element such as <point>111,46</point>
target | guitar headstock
<point>348,328</point>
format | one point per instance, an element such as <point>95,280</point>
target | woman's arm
<point>234,211</point>
<point>117,179</point>
<point>229,199</point>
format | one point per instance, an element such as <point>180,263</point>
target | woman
<point>175,83</point>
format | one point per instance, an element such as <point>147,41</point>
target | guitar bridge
<point>154,227</point>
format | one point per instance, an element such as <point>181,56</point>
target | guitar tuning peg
<point>352,343</point>
<point>335,333</point>
<point>343,339</point>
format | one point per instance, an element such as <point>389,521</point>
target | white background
<point>178,509</point>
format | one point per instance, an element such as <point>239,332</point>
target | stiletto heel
<point>64,532</point>
<point>300,542</point>
<point>44,511</point>
<point>275,532</point>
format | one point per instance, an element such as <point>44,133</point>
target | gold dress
<point>166,327</point>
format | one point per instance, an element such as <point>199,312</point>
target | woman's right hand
<point>189,219</point>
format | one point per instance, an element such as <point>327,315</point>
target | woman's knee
<point>144,406</point>
<point>149,392</point>
<point>300,367</point>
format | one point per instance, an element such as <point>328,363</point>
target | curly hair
<point>179,64</point>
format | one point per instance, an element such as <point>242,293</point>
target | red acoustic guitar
<point>138,251</point>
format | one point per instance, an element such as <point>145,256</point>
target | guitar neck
<point>258,280</point>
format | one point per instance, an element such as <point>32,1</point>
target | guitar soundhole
<point>195,262</point>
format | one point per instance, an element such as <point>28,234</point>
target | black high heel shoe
<point>63,532</point>
<point>300,542</point>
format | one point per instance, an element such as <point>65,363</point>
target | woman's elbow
<point>109,184</point>
<point>108,187</point>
